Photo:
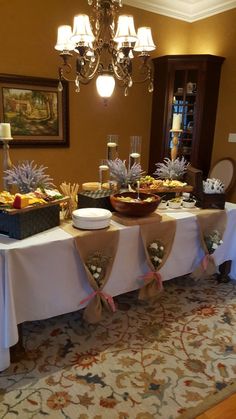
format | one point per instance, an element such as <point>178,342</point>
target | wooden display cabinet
<point>185,85</point>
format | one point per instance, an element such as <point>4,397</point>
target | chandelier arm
<point>65,68</point>
<point>146,67</point>
<point>86,74</point>
<point>121,72</point>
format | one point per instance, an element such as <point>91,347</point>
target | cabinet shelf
<point>173,72</point>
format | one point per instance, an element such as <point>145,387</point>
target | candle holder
<point>175,141</point>
<point>112,146</point>
<point>135,150</point>
<point>5,138</point>
<point>103,174</point>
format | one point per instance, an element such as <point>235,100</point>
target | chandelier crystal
<point>104,47</point>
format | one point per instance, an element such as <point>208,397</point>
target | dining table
<point>43,276</point>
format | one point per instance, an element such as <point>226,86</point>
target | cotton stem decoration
<point>212,185</point>
<point>72,192</point>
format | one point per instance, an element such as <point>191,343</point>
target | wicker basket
<point>95,199</point>
<point>19,224</point>
<point>213,201</point>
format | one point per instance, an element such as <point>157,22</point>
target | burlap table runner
<point>212,225</point>
<point>157,240</point>
<point>97,251</point>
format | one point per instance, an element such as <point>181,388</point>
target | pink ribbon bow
<point>154,275</point>
<point>101,294</point>
<point>207,258</point>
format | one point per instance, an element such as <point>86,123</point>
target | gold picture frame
<point>36,110</point>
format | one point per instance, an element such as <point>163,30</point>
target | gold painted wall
<point>217,35</point>
<point>27,38</point>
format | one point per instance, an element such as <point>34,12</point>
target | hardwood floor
<point>223,410</point>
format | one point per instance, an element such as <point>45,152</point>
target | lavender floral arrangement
<point>156,253</point>
<point>121,174</point>
<point>171,169</point>
<point>213,241</point>
<point>27,176</point>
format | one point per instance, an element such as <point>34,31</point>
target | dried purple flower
<point>121,174</point>
<point>171,169</point>
<point>27,176</point>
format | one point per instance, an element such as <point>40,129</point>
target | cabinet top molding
<point>191,58</point>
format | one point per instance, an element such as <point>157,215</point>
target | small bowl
<point>137,208</point>
<point>162,205</point>
<point>189,204</point>
<point>174,204</point>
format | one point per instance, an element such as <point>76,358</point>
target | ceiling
<point>188,10</point>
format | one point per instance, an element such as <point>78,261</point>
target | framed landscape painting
<point>36,110</point>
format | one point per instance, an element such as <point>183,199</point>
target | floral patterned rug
<point>147,360</point>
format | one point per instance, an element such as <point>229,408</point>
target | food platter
<point>165,189</point>
<point>12,211</point>
<point>22,222</point>
<point>151,185</point>
<point>14,203</point>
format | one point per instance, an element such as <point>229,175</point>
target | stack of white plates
<point>91,218</point>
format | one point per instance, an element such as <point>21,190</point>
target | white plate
<point>91,214</point>
<point>91,218</point>
<point>88,225</point>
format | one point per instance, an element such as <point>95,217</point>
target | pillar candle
<point>177,119</point>
<point>5,130</point>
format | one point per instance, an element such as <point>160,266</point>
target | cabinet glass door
<point>183,110</point>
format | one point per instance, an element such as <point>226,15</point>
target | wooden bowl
<point>136,208</point>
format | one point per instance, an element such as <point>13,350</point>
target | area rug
<point>147,360</point>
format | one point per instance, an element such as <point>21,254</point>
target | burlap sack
<point>96,250</point>
<point>209,221</point>
<point>163,232</point>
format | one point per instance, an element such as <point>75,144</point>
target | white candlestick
<point>177,119</point>
<point>5,130</point>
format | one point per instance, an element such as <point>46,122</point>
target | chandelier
<point>104,47</point>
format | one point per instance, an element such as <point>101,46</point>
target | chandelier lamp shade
<point>104,46</point>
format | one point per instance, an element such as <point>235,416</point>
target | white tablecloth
<point>42,276</point>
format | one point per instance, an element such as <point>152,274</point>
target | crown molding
<point>187,10</point>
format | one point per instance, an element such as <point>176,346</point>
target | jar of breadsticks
<point>71,191</point>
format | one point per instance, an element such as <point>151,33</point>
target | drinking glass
<point>135,150</point>
<point>103,173</point>
<point>112,146</point>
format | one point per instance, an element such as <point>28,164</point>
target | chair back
<point>224,170</point>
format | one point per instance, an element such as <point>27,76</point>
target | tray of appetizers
<point>152,185</point>
<point>18,203</point>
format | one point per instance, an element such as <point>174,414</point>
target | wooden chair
<point>224,170</point>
